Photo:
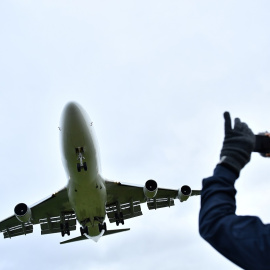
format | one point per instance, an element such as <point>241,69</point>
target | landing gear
<point>64,229</point>
<point>102,227</point>
<point>80,157</point>
<point>119,219</point>
<point>84,230</point>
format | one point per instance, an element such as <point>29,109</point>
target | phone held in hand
<point>262,144</point>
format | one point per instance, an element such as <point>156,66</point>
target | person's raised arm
<point>244,240</point>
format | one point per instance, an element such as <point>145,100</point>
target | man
<point>244,240</point>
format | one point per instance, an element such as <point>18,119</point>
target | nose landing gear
<point>80,157</point>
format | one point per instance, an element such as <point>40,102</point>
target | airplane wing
<point>123,200</point>
<point>50,213</point>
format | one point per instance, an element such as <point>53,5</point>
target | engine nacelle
<point>183,193</point>
<point>22,212</point>
<point>150,189</point>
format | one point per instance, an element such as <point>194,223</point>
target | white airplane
<point>88,197</point>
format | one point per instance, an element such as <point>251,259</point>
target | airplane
<point>88,197</point>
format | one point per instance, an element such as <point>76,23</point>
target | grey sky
<point>155,78</point>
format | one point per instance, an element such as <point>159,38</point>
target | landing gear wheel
<point>119,218</point>
<point>85,166</point>
<point>116,219</point>
<point>67,231</point>
<point>62,230</point>
<point>78,167</point>
<point>102,227</point>
<point>122,218</point>
<point>84,230</point>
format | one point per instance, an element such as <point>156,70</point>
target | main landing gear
<point>64,229</point>
<point>84,230</point>
<point>81,165</point>
<point>102,227</point>
<point>119,219</point>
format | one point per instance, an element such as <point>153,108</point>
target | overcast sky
<point>155,78</point>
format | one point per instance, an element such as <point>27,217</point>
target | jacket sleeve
<point>244,240</point>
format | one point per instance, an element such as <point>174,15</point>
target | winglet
<point>79,238</point>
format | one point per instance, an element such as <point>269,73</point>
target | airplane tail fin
<point>79,238</point>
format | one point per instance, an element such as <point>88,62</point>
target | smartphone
<point>262,144</point>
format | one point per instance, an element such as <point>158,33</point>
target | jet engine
<point>183,193</point>
<point>150,189</point>
<point>22,212</point>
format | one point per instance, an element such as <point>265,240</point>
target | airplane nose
<point>72,116</point>
<point>71,109</point>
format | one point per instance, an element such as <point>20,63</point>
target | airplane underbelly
<point>88,201</point>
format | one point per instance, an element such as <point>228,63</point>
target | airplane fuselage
<point>86,188</point>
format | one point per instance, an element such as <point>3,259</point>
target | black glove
<point>237,145</point>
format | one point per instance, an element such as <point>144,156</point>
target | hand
<point>237,145</point>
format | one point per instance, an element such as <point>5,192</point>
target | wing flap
<point>22,229</point>
<point>159,203</point>
<point>56,230</point>
<point>127,210</point>
<point>53,224</point>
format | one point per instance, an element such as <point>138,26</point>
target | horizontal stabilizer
<point>79,238</point>
<point>115,231</point>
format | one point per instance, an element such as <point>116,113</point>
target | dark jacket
<point>244,240</point>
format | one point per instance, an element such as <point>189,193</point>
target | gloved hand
<point>237,145</point>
